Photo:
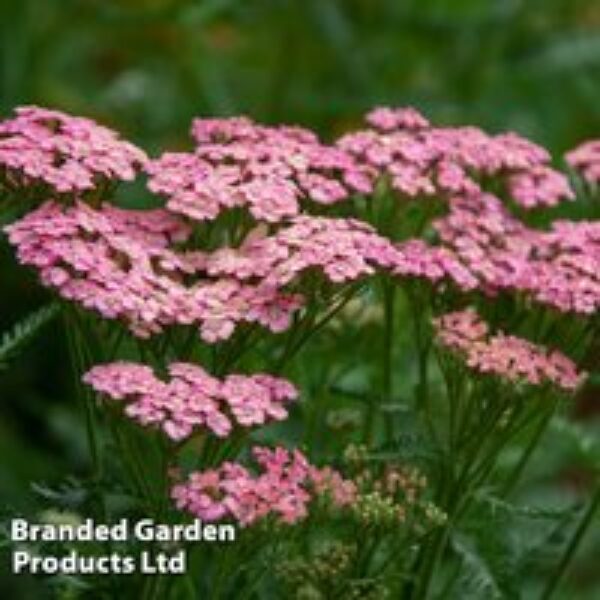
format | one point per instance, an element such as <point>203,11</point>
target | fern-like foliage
<point>503,545</point>
<point>13,341</point>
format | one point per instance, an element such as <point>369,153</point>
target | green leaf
<point>24,331</point>
<point>477,577</point>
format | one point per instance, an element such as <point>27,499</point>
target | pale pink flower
<point>284,489</point>
<point>69,154</point>
<point>419,159</point>
<point>191,399</point>
<point>342,249</point>
<point>503,355</point>
<point>268,170</point>
<point>559,267</point>
<point>120,264</point>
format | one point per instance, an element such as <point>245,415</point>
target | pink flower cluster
<point>417,258</point>
<point>493,245</point>
<point>117,263</point>
<point>123,263</point>
<point>565,267</point>
<point>559,267</point>
<point>192,399</point>
<point>267,169</point>
<point>69,154</point>
<point>120,263</point>
<point>419,159</point>
<point>284,489</point>
<point>343,249</point>
<point>505,355</point>
<point>585,159</point>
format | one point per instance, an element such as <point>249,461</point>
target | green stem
<point>312,326</point>
<point>79,364</point>
<point>459,497</point>
<point>527,453</point>
<point>389,295</point>
<point>423,346</point>
<point>136,472</point>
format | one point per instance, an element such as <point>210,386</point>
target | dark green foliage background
<point>146,67</point>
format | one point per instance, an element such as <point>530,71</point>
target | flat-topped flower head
<point>585,159</point>
<point>506,356</point>
<point>68,154</point>
<point>419,159</point>
<point>565,268</point>
<point>283,489</point>
<point>120,264</point>
<point>559,267</point>
<point>268,170</point>
<point>191,400</point>
<point>341,249</point>
<point>494,246</point>
<point>415,258</point>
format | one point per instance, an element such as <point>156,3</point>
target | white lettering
<point>19,530</point>
<point>20,559</point>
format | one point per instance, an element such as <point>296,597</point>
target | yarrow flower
<point>118,263</point>
<point>565,267</point>
<point>421,160</point>
<point>386,118</point>
<point>283,489</point>
<point>436,264</point>
<point>69,154</point>
<point>191,400</point>
<point>493,246</point>
<point>269,170</point>
<point>342,249</point>
<point>507,356</point>
<point>585,159</point>
<point>559,267</point>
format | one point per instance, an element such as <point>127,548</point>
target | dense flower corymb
<point>284,489</point>
<point>343,249</point>
<point>559,267</point>
<point>192,399</point>
<point>565,268</point>
<point>422,160</point>
<point>269,170</point>
<point>69,154</point>
<point>493,246</point>
<point>119,263</point>
<point>505,355</point>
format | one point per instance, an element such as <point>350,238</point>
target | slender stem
<point>423,346</point>
<point>312,327</point>
<point>389,295</point>
<point>459,498</point>
<point>79,364</point>
<point>527,453</point>
<point>573,545</point>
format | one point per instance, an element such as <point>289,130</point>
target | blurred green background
<point>146,67</point>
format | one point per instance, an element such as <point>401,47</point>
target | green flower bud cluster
<point>408,481</point>
<point>374,508</point>
<point>435,515</point>
<point>324,571</point>
<point>293,572</point>
<point>333,561</point>
<point>392,496</point>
